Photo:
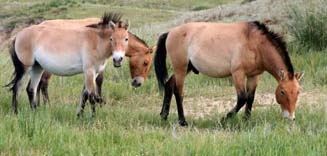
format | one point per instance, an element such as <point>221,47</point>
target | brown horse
<point>138,51</point>
<point>242,50</point>
<point>66,52</point>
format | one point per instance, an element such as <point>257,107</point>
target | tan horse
<point>66,52</point>
<point>138,51</point>
<point>242,50</point>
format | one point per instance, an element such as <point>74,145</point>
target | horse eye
<point>111,39</point>
<point>126,39</point>
<point>145,63</point>
<point>282,93</point>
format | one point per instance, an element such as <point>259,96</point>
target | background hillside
<point>129,124</point>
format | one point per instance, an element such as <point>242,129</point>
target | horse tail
<point>18,71</point>
<point>160,61</point>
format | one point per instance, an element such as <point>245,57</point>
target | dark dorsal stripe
<point>139,39</point>
<point>278,42</point>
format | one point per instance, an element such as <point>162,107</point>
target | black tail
<point>160,61</point>
<point>19,69</point>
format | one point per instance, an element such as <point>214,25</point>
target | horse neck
<point>134,47</point>
<point>101,40</point>
<point>272,61</point>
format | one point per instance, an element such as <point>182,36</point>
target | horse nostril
<point>121,59</point>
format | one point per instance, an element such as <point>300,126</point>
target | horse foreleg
<point>251,86</point>
<point>179,94</point>
<point>99,81</point>
<point>84,98</point>
<point>239,79</point>
<point>36,74</point>
<point>90,87</point>
<point>169,88</point>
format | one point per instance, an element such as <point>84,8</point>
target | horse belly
<point>214,64</point>
<point>63,65</point>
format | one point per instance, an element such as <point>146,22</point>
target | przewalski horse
<point>138,51</point>
<point>66,52</point>
<point>243,50</point>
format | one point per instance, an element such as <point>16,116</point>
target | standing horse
<point>66,52</point>
<point>242,50</point>
<point>138,51</point>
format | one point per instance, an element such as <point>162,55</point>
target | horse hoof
<point>183,123</point>
<point>98,99</point>
<point>164,116</point>
<point>79,115</point>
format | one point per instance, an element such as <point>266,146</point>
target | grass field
<point>129,124</point>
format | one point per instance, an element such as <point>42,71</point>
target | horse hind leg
<point>19,73</point>
<point>169,89</point>
<point>36,74</point>
<point>179,95</point>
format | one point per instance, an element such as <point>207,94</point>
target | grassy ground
<point>129,124</point>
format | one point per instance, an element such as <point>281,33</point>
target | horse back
<point>70,24</point>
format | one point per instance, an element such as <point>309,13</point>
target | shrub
<point>308,26</point>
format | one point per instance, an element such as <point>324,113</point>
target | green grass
<point>129,124</point>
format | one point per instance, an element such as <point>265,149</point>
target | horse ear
<point>299,75</point>
<point>126,24</point>
<point>154,48</point>
<point>282,75</point>
<point>112,25</point>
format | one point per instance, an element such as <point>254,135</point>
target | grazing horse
<point>66,52</point>
<point>243,50</point>
<point>138,51</point>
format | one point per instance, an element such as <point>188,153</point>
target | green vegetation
<point>129,124</point>
<point>308,26</point>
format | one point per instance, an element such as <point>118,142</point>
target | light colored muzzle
<point>118,57</point>
<point>291,116</point>
<point>137,81</point>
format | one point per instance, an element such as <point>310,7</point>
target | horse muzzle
<point>137,81</point>
<point>118,62</point>
<point>118,58</point>
<point>288,115</point>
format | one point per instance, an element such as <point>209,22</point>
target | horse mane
<point>139,39</point>
<point>278,42</point>
<point>106,18</point>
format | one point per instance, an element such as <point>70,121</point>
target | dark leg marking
<point>84,98</point>
<point>30,94</point>
<point>44,89</point>
<point>93,100</point>
<point>169,87</point>
<point>241,100</point>
<point>14,101</point>
<point>248,106</point>
<point>179,102</point>
<point>99,81</point>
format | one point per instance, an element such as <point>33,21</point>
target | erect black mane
<point>279,43</point>
<point>106,18</point>
<point>139,39</point>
